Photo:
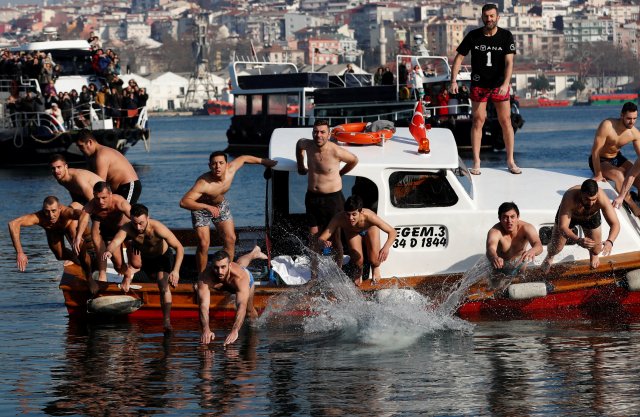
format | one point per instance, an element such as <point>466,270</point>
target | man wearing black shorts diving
<point>324,186</point>
<point>492,52</point>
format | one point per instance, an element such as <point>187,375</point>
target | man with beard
<point>507,241</point>
<point>153,239</point>
<point>581,206</point>
<point>206,200</point>
<point>606,160</point>
<point>492,52</point>
<point>79,182</point>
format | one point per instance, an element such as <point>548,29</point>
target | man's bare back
<point>112,166</point>
<point>80,182</point>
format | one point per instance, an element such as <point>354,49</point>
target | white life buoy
<point>527,290</point>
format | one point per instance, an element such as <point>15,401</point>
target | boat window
<point>368,191</point>
<point>421,189</point>
<point>240,103</point>
<point>256,104</point>
<point>277,104</point>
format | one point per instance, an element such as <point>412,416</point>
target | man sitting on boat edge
<point>223,274</point>
<point>361,225</point>
<point>507,240</point>
<point>581,205</point>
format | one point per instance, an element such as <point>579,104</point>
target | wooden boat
<point>442,215</point>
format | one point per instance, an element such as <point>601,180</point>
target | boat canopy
<point>82,45</point>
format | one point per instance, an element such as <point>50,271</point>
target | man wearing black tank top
<point>492,52</point>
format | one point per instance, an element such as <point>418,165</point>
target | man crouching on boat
<point>508,239</point>
<point>581,206</point>
<point>153,240</point>
<point>234,277</point>
<point>361,225</point>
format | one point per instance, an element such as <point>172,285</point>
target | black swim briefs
<point>616,161</point>
<point>322,207</point>
<point>130,191</point>
<point>590,223</point>
<point>151,265</point>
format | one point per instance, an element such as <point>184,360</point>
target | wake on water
<point>389,318</point>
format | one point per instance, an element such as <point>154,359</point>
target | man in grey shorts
<point>207,202</point>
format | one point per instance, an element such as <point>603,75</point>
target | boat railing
<point>15,86</point>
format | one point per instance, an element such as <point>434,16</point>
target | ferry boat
<point>617,99</point>
<point>265,94</point>
<point>442,215</point>
<point>31,137</point>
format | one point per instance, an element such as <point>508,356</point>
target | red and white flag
<point>418,128</point>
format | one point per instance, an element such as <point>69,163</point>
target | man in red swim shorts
<point>492,52</point>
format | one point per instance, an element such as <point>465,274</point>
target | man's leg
<point>60,251</point>
<point>479,112</point>
<point>246,259</point>
<point>617,175</point>
<point>596,236</point>
<point>227,232</point>
<point>372,240</point>
<point>252,313</point>
<point>503,109</point>
<point>356,259</point>
<point>165,298</point>
<point>314,245</point>
<point>553,248</point>
<point>202,251</point>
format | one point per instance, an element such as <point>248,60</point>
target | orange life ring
<point>354,133</point>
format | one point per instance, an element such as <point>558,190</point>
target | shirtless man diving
<point>360,226</point>
<point>324,198</point>
<point>507,241</point>
<point>606,160</point>
<point>111,166</point>
<point>153,239</point>
<point>222,274</point>
<point>206,200</point>
<point>79,182</point>
<point>581,205</point>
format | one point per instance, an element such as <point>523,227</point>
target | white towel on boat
<point>292,271</point>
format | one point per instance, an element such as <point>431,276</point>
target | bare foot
<point>253,314</point>
<point>358,281</point>
<point>167,327</point>
<point>257,253</point>
<point>546,265</point>
<point>595,261</point>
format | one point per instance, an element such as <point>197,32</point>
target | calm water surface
<point>356,359</point>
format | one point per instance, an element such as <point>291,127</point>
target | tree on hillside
<point>540,83</point>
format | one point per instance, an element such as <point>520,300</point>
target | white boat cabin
<point>441,212</point>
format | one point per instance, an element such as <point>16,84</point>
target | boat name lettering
<point>411,237</point>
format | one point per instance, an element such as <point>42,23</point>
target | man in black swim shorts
<point>581,206</point>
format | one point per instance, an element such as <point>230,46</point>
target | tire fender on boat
<point>527,290</point>
<point>114,305</point>
<point>633,280</point>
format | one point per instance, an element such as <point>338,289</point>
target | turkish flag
<point>418,129</point>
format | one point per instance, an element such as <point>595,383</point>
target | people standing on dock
<point>324,198</point>
<point>606,159</point>
<point>581,206</point>
<point>361,227</point>
<point>234,277</point>
<point>79,182</point>
<point>108,213</point>
<point>492,53</point>
<point>111,166</point>
<point>207,202</point>
<point>507,241</point>
<point>154,240</point>
<point>58,222</point>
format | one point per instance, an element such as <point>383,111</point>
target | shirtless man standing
<point>606,161</point>
<point>207,202</point>
<point>153,240</point>
<point>57,221</point>
<point>361,225</point>
<point>222,274</point>
<point>111,166</point>
<point>108,212</point>
<point>324,198</point>
<point>79,182</point>
<point>507,241</point>
<point>581,205</point>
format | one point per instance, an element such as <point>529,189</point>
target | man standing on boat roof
<point>581,206</point>
<point>57,221</point>
<point>224,275</point>
<point>361,225</point>
<point>79,182</point>
<point>108,212</point>
<point>606,159</point>
<point>206,200</point>
<point>324,198</point>
<point>110,165</point>
<point>508,239</point>
<point>492,53</point>
<point>153,239</point>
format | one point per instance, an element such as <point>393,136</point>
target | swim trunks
<point>251,280</point>
<point>321,207</point>
<point>203,218</point>
<point>512,267</point>
<point>363,233</point>
<point>616,161</point>
<point>161,263</point>
<point>590,223</point>
<point>482,94</point>
<point>78,198</point>
<point>130,191</point>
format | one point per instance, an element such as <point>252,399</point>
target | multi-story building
<point>445,34</point>
<point>628,37</point>
<point>542,45</point>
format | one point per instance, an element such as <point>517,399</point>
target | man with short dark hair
<point>234,277</point>
<point>361,226</point>
<point>154,240</point>
<point>507,241</point>
<point>581,206</point>
<point>79,182</point>
<point>492,52</point>
<point>206,200</point>
<point>111,166</point>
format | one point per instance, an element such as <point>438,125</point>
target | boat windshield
<point>72,62</point>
